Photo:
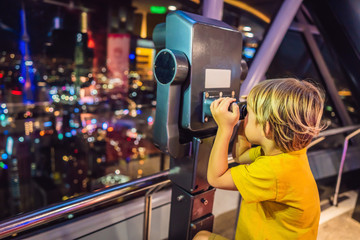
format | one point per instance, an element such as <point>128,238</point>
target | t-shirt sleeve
<point>254,153</point>
<point>256,182</point>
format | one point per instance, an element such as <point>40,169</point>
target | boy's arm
<point>218,174</point>
<point>241,146</point>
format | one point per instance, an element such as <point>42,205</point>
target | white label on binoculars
<point>217,78</point>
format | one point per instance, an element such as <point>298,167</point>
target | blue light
<point>150,119</point>
<point>104,126</point>
<point>132,56</point>
<point>21,139</point>
<point>57,22</point>
<point>138,112</point>
<point>22,80</point>
<point>37,140</point>
<point>6,132</point>
<point>249,52</point>
<point>68,134</point>
<point>73,132</point>
<point>93,121</point>
<point>47,124</point>
<point>4,156</point>
<point>26,69</point>
<point>9,145</point>
<point>76,110</point>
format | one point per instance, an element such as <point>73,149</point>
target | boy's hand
<point>224,119</point>
<point>241,128</point>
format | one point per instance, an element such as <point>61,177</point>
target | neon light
<point>158,9</point>
<point>26,64</point>
<point>4,156</point>
<point>57,22</point>
<point>47,124</point>
<point>91,43</point>
<point>16,92</point>
<point>249,9</point>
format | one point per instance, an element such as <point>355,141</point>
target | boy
<point>280,196</point>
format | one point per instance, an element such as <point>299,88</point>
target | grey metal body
<point>202,55</point>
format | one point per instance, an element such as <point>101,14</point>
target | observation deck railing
<point>58,211</point>
<point>151,184</point>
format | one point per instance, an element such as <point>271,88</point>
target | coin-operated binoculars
<point>200,62</point>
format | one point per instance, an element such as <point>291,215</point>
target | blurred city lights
<point>246,28</point>
<point>3,165</point>
<point>60,136</point>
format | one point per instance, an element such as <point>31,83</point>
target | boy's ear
<point>268,132</point>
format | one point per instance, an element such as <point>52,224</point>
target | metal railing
<point>148,209</point>
<point>343,156</point>
<point>55,212</point>
<point>151,183</point>
<point>332,132</point>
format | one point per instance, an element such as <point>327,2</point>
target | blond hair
<point>293,109</point>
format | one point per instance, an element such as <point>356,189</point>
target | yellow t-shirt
<point>280,197</point>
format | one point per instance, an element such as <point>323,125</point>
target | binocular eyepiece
<point>242,109</point>
<point>207,112</point>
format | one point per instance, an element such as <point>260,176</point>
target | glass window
<point>294,60</point>
<point>251,18</point>
<point>77,100</point>
<point>341,82</point>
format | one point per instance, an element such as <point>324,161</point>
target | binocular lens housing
<point>242,109</point>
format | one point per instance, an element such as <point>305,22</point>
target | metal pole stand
<point>192,197</point>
